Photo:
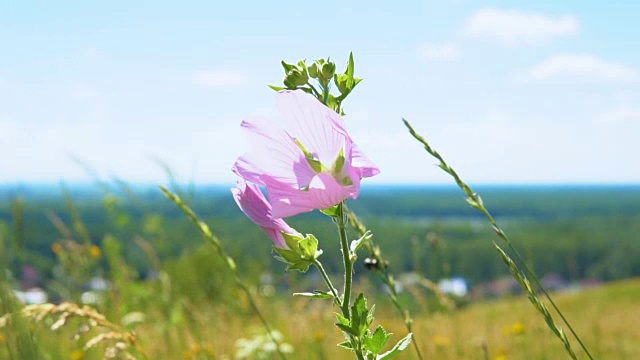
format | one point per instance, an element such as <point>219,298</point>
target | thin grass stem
<point>475,201</point>
<point>217,245</point>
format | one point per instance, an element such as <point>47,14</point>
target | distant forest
<point>573,231</point>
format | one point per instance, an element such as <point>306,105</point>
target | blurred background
<point>535,105</point>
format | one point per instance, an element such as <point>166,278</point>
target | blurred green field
<point>605,317</point>
<point>159,282</point>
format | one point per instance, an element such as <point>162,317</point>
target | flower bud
<point>297,77</point>
<point>328,70</point>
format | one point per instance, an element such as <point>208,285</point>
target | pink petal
<point>309,121</point>
<point>275,153</point>
<point>324,192</point>
<point>358,159</point>
<point>253,203</point>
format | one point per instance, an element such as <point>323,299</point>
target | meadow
<point>138,261</point>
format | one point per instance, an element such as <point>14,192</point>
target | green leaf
<point>332,211</point>
<point>376,341</point>
<point>291,240</point>
<point>360,315</point>
<point>343,320</point>
<point>357,244</point>
<point>341,82</point>
<point>316,294</point>
<point>350,66</point>
<point>333,103</point>
<point>348,329</point>
<point>286,255</point>
<point>308,247</point>
<point>360,305</point>
<point>346,345</point>
<point>313,162</point>
<point>287,67</point>
<point>339,164</point>
<point>277,88</point>
<point>397,348</point>
<point>370,315</point>
<point>301,265</point>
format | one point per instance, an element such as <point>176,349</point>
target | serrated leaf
<point>397,348</point>
<point>346,345</point>
<point>343,320</point>
<point>359,315</point>
<point>370,315</point>
<point>348,329</point>
<point>316,294</point>
<point>376,341</point>
<point>360,305</point>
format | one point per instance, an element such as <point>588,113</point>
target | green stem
<point>384,276</point>
<point>408,321</point>
<point>315,91</point>
<point>476,202</point>
<point>217,245</point>
<point>341,220</point>
<point>334,292</point>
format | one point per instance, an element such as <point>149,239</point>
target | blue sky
<point>508,92</point>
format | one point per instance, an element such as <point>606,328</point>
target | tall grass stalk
<point>475,201</point>
<point>231,264</point>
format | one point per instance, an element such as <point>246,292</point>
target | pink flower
<point>253,203</point>
<point>314,164</point>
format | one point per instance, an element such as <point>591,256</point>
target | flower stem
<point>334,292</point>
<point>341,220</point>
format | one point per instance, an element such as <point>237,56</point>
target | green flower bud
<point>297,77</point>
<point>313,70</point>
<point>328,70</point>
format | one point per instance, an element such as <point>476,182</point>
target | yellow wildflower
<point>95,252</point>
<point>57,248</point>
<point>517,328</point>
<point>443,341</point>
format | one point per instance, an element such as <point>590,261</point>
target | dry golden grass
<point>605,317</point>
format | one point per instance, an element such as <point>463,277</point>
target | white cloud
<point>626,115</point>
<point>509,27</point>
<point>583,66</point>
<point>221,78</point>
<point>447,51</point>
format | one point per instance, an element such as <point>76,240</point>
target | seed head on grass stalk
<point>119,341</point>
<point>476,202</point>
